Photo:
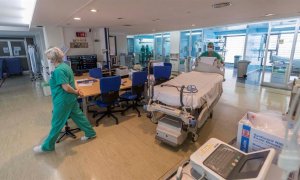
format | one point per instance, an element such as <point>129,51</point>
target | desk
<point>94,89</point>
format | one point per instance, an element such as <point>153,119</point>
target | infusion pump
<point>216,160</point>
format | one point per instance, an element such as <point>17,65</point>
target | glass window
<point>196,43</point>
<point>130,45</point>
<point>279,53</point>
<point>234,47</point>
<point>295,72</point>
<point>166,47</point>
<point>18,48</point>
<point>184,44</point>
<point>158,46</point>
<point>285,45</point>
<point>256,43</point>
<point>4,48</point>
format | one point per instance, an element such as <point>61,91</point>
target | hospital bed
<point>186,102</point>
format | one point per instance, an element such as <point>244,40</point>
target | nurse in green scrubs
<point>211,53</point>
<point>64,100</point>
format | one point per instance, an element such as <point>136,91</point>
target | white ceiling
<point>173,14</point>
<point>16,13</point>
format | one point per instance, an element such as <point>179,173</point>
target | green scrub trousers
<point>65,106</point>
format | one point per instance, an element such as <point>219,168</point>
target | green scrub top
<point>62,74</point>
<point>214,54</point>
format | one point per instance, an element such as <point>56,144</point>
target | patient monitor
<point>216,160</point>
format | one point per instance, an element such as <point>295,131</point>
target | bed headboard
<point>202,67</point>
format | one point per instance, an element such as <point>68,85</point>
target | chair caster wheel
<point>211,115</point>
<point>122,113</point>
<point>149,115</point>
<point>97,124</point>
<point>195,137</point>
<point>139,115</point>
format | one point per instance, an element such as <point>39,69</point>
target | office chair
<point>68,132</point>
<point>95,73</point>
<point>109,87</point>
<point>137,89</point>
<point>161,74</point>
<point>168,64</point>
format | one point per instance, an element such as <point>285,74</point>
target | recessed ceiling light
<point>153,30</point>
<point>77,18</point>
<point>270,14</point>
<point>93,10</point>
<point>221,5</point>
<point>193,25</point>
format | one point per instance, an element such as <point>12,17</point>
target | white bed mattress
<point>209,87</point>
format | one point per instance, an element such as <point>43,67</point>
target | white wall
<point>70,33</point>
<point>53,36</point>
<point>98,35</point>
<point>174,42</point>
<point>121,42</point>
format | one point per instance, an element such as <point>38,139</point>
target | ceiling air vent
<point>221,5</point>
<point>127,25</point>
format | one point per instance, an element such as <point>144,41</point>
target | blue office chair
<point>109,87</point>
<point>168,64</point>
<point>161,74</point>
<point>95,73</point>
<point>137,89</point>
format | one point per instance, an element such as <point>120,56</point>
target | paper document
<point>82,84</point>
<point>208,60</point>
<point>86,82</point>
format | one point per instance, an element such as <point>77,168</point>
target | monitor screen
<point>252,165</point>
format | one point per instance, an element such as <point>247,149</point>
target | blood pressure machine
<point>216,160</point>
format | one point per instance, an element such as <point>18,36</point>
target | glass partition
<point>166,47</point>
<point>158,46</point>
<point>143,48</point>
<point>197,43</point>
<point>295,66</point>
<point>130,45</point>
<point>280,52</point>
<point>255,45</point>
<point>184,44</point>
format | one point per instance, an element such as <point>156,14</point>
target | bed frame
<point>191,119</point>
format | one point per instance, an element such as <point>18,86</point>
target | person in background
<point>64,101</point>
<point>148,54</point>
<point>143,55</point>
<point>211,53</point>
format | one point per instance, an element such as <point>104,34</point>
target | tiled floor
<point>125,151</point>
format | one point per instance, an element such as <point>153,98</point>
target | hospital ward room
<point>149,90</point>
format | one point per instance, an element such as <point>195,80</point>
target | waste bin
<point>242,68</point>
<point>236,59</point>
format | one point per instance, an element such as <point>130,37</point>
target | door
<point>280,52</point>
